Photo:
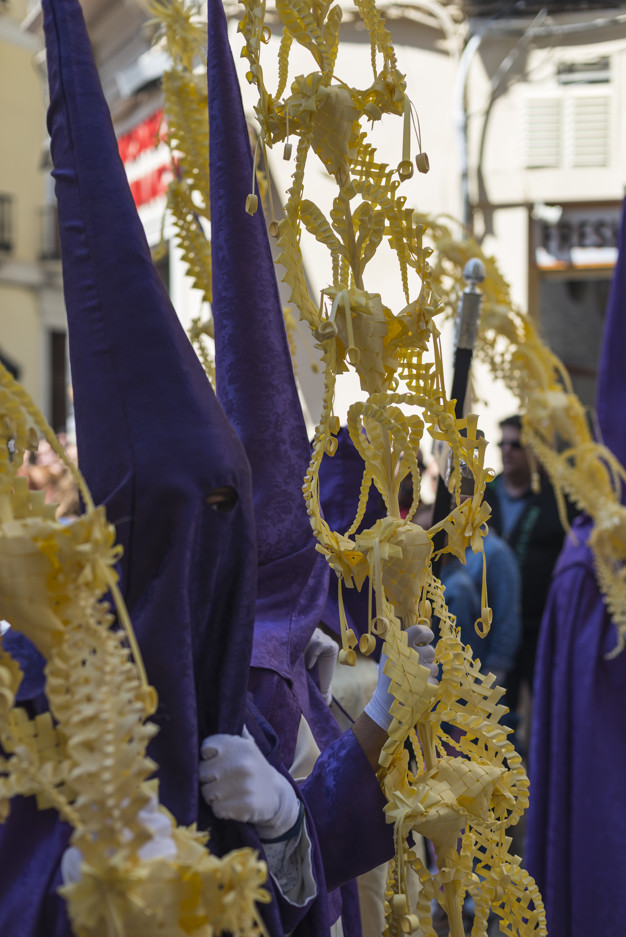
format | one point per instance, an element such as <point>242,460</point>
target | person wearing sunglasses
<point>525,514</point>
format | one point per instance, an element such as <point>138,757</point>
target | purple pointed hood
<point>153,441</point>
<point>611,393</point>
<point>255,381</point>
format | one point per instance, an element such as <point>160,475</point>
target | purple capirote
<point>153,443</point>
<point>256,385</point>
<point>152,439</point>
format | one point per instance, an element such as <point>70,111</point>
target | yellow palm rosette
<point>555,425</point>
<point>483,787</point>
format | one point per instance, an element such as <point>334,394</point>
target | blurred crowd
<point>48,473</point>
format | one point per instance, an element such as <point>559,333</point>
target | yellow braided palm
<point>185,107</point>
<point>555,425</point>
<point>355,329</point>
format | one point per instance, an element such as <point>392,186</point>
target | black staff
<point>467,319</point>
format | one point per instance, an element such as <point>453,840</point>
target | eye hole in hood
<point>222,499</point>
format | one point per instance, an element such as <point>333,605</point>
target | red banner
<point>146,136</point>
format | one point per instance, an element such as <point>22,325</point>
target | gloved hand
<point>322,650</point>
<point>419,638</point>
<point>239,783</point>
<point>160,846</point>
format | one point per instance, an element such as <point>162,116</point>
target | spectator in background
<point>528,520</point>
<point>48,473</point>
<point>463,585</point>
<point>498,650</point>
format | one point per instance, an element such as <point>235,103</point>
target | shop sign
<point>146,159</point>
<point>582,237</point>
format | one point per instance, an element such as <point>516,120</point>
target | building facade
<point>32,320</point>
<point>521,112</point>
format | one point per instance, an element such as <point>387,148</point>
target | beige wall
<point>22,134</point>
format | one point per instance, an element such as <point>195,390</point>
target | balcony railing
<point>6,222</point>
<point>50,242</point>
<point>493,8</point>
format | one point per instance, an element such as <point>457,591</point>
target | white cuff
<point>291,866</point>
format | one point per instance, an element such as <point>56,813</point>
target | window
<point>569,128</point>
<point>58,381</point>
<point>586,72</point>
<point>50,241</point>
<point>6,221</point>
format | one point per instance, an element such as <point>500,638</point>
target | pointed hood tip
<point>255,377</point>
<point>143,401</point>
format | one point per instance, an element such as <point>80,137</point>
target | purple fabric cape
<point>256,386</point>
<point>576,822</point>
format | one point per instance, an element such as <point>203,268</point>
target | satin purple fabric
<point>153,442</point>
<point>255,383</point>
<point>576,823</point>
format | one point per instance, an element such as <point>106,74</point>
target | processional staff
<point>467,320</point>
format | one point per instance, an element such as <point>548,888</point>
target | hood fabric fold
<point>255,381</point>
<point>153,441</point>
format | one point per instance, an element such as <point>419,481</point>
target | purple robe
<point>255,384</point>
<point>576,831</point>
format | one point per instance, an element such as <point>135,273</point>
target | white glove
<point>419,638</point>
<point>322,650</point>
<point>239,783</point>
<point>160,846</point>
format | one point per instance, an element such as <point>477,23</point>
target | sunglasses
<point>511,443</point>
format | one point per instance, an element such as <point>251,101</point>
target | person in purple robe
<point>256,386</point>
<point>156,448</point>
<point>576,831</point>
